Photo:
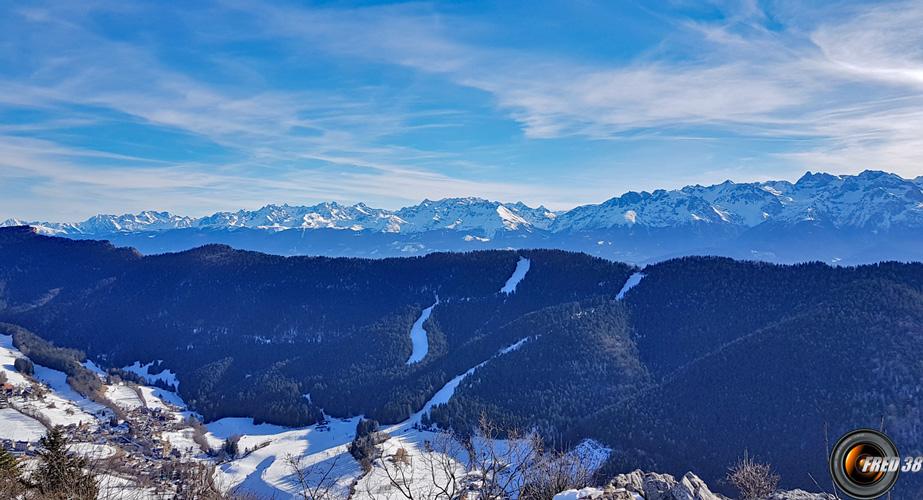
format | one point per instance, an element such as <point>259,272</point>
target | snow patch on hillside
<point>124,396</point>
<point>593,452</point>
<point>143,371</point>
<point>112,487</point>
<point>155,397</point>
<point>418,336</point>
<point>516,346</point>
<point>632,281</point>
<point>424,470</point>
<point>93,367</point>
<point>522,267</point>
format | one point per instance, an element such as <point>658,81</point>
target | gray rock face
<point>800,495</point>
<point>654,486</point>
<point>693,488</point>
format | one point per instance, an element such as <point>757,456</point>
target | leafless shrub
<point>198,435</point>
<point>197,480</point>
<point>316,481</point>
<point>400,472</point>
<point>752,479</point>
<point>445,474</point>
<point>554,471</point>
<point>492,463</point>
<point>501,457</point>
<point>401,457</point>
<point>137,389</point>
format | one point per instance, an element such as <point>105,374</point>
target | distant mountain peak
<point>818,179</point>
<point>871,199</point>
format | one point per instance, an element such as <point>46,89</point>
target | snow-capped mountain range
<point>872,202</point>
<point>462,214</point>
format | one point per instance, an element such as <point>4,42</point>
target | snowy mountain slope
<point>324,215</point>
<point>463,214</point>
<point>870,199</point>
<point>474,215</point>
<point>104,224</point>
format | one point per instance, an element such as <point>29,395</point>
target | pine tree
<point>10,479</point>
<point>60,474</point>
<point>231,447</point>
<point>8,462</point>
<point>24,366</point>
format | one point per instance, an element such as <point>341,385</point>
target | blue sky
<point>194,107</point>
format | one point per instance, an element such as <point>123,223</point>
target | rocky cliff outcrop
<point>640,485</point>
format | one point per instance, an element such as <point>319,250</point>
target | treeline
<point>69,361</point>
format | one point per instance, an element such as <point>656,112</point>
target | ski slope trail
<point>418,336</point>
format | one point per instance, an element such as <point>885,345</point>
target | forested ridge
<point>251,334</point>
<point>706,357</point>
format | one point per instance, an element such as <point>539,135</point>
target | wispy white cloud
<point>748,80</point>
<point>883,43</point>
<point>345,156</point>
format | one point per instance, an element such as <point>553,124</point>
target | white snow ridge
<point>418,336</point>
<point>522,267</point>
<point>632,281</point>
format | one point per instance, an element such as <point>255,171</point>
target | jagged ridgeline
<point>702,359</point>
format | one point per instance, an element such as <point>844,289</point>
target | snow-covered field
<point>422,470</point>
<point>265,471</point>
<point>61,406</point>
<point>182,441</point>
<point>19,427</point>
<point>124,396</point>
<point>157,398</point>
<point>64,405</point>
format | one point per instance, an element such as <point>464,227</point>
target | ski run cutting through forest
<point>418,336</point>
<point>632,282</point>
<point>522,267</point>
